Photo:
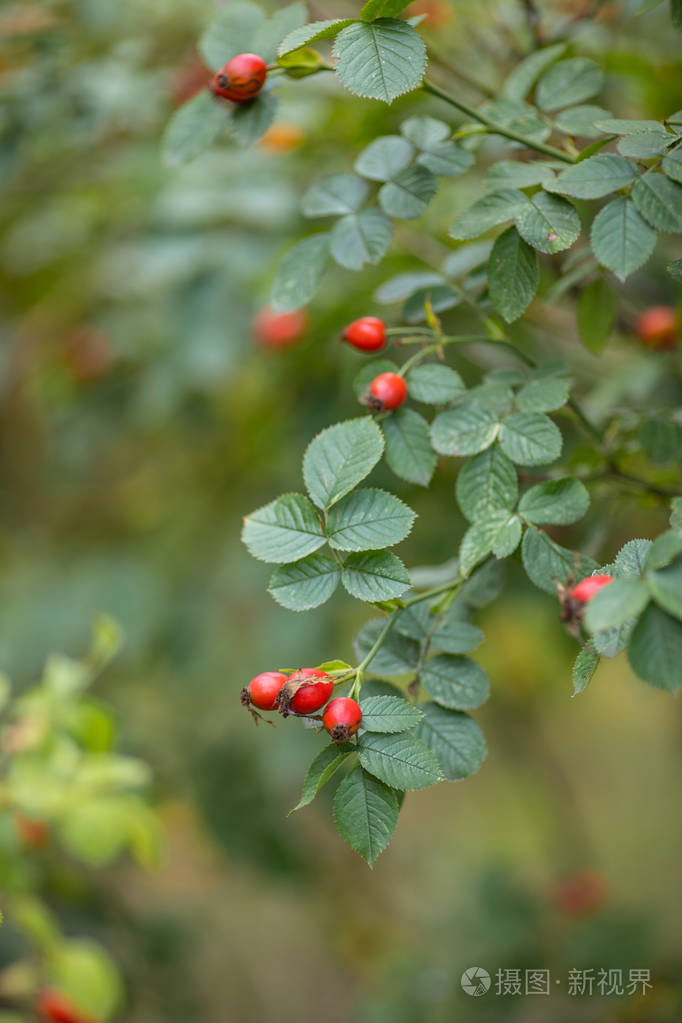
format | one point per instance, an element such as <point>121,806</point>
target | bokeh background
<point>139,420</point>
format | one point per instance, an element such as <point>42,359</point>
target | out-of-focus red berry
<point>581,894</point>
<point>658,327</point>
<point>586,588</point>
<point>88,354</point>
<point>279,330</point>
<point>55,1007</point>
<point>33,833</point>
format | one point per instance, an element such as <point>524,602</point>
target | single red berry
<point>278,330</point>
<point>263,690</point>
<point>367,334</point>
<point>309,697</point>
<point>658,327</point>
<point>582,894</point>
<point>387,391</point>
<point>342,718</point>
<point>54,1007</point>
<point>33,833</point>
<point>586,588</point>
<point>241,79</point>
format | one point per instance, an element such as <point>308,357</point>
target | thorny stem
<point>497,129</point>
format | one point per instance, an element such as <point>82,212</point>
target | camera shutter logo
<point>475,981</point>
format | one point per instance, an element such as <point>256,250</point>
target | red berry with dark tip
<point>313,695</point>
<point>342,717</point>
<point>241,79</point>
<point>658,327</point>
<point>586,588</point>
<point>367,334</point>
<point>387,392</point>
<point>263,690</point>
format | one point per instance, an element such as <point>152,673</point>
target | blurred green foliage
<point>139,421</point>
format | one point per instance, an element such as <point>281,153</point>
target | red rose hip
<point>387,392</point>
<point>278,330</point>
<point>658,327</point>
<point>300,696</point>
<point>241,79</point>
<point>367,334</point>
<point>586,588</point>
<point>342,717</point>
<point>263,690</point>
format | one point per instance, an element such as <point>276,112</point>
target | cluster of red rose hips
<point>388,390</point>
<point>303,693</point>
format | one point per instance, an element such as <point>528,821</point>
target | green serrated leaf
<point>547,563</point>
<point>323,767</point>
<point>597,176</point>
<point>512,275</point>
<point>456,637</point>
<point>543,394</point>
<point>585,665</point>
<point>455,739</point>
<point>368,519</point>
<point>409,452</point>
<point>335,195</point>
<point>557,502</point>
<point>382,9</point>
<point>306,583</point>
<point>457,683</point>
<point>665,586</point>
<point>655,650</point>
<point>374,576</point>
<point>434,384</point>
<point>659,200</point>
<point>582,121</point>
<point>315,32</point>
<point>251,120</point>
<point>299,273</point>
<point>360,238</point>
<point>365,814</point>
<point>426,133</point>
<point>193,128</point>
<point>491,210</point>
<point>569,82</point>
<point>614,605</point>
<point>530,438</point>
<point>663,550</point>
<point>408,195</point>
<point>548,223</point>
<point>402,761</point>
<point>620,238</point>
<point>464,430</point>
<point>389,714</point>
<point>524,75</point>
<point>447,160</point>
<point>381,60</point>
<point>499,532</point>
<point>487,483</point>
<point>516,174</point>
<point>384,158</point>
<point>284,530</point>
<point>339,458</point>
<point>672,165</point>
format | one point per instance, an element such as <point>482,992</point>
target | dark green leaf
<point>365,814</point>
<point>512,275</point>
<point>299,273</point>
<point>655,650</point>
<point>408,446</point>
<point>557,502</point>
<point>491,210</point>
<point>402,761</point>
<point>614,605</point>
<point>375,576</point>
<point>597,311</point>
<point>193,128</point>
<point>659,200</point>
<point>434,383</point>
<point>360,238</point>
<point>368,519</point>
<point>548,223</point>
<point>464,430</point>
<point>569,82</point>
<point>397,655</point>
<point>381,60</point>
<point>312,33</point>
<point>584,668</point>
<point>284,530</point>
<point>457,683</point>
<point>337,194</point>
<point>487,483</point>
<point>323,767</point>
<point>547,563</point>
<point>306,583</point>
<point>518,84</point>
<point>409,193</point>
<point>384,158</point>
<point>530,438</point>
<point>597,176</point>
<point>389,714</point>
<point>454,738</point>
<point>339,458</point>
<point>621,240</point>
